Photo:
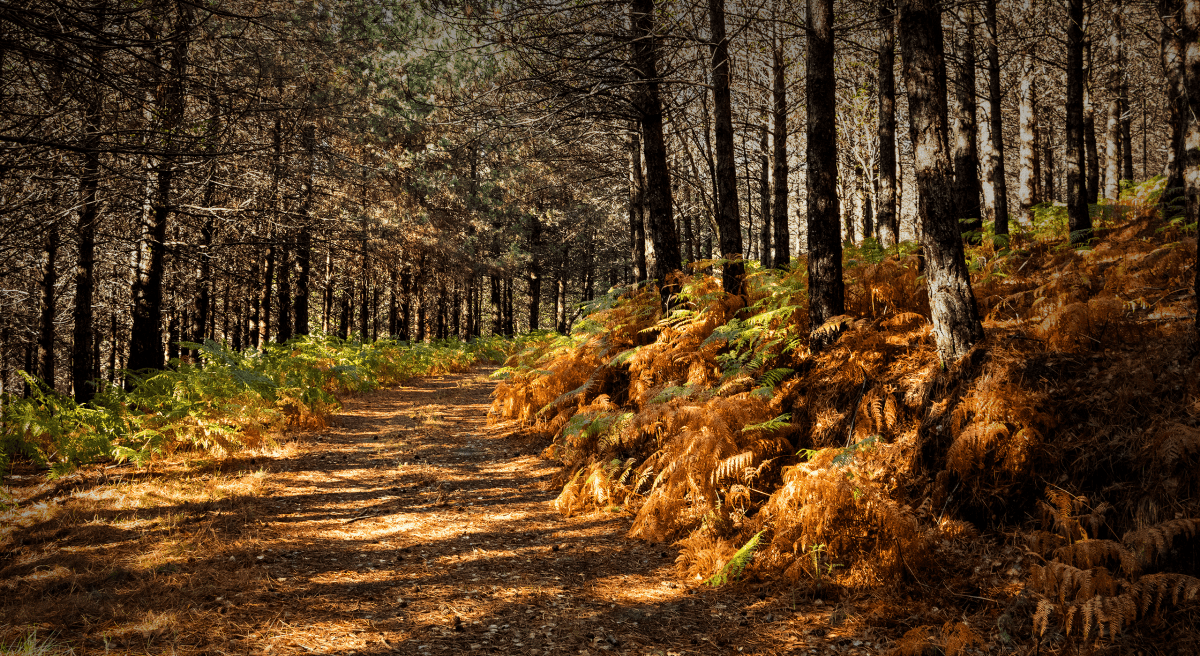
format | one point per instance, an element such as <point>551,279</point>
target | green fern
<point>737,564</point>
<point>771,424</point>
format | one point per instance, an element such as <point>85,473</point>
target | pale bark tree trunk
<point>965,151</point>
<point>1190,32</point>
<point>1078,220</point>
<point>729,230</point>
<point>888,217</point>
<point>826,290</point>
<point>956,324</point>
<point>1027,179</point>
<point>1112,145</point>
<point>764,198</point>
<point>660,222</point>
<point>637,209</point>
<point>995,187</point>
<point>779,209</point>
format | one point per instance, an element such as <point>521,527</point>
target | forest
<point>883,308</point>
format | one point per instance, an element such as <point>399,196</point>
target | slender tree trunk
<point>49,306</point>
<point>264,319</point>
<point>1172,51</point>
<point>637,209</point>
<point>255,305</point>
<point>327,298</point>
<point>1078,219</point>
<point>1090,149</point>
<point>965,151</point>
<point>689,234</point>
<point>560,296</point>
<point>956,325</point>
<point>497,306</point>
<point>764,198</point>
<point>1112,152</point>
<point>364,307</point>
<point>1048,194</point>
<point>1027,180</point>
<point>509,323</point>
<point>304,235</point>
<point>284,288</point>
<point>84,368</point>
<point>535,271</point>
<point>826,290</point>
<point>729,230</point>
<point>779,209</point>
<point>346,313</point>
<point>660,223</point>
<point>995,184</point>
<point>1189,33</point>
<point>888,217</point>
<point>406,303</point>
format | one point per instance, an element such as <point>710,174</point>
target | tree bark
<point>1027,179</point>
<point>284,288</point>
<point>660,223</point>
<point>264,319</point>
<point>1048,191</point>
<point>304,235</point>
<point>85,368</point>
<point>406,303</point>
<point>995,187</point>
<point>637,209</point>
<point>965,152</point>
<point>729,232</point>
<point>1189,34</point>
<point>956,324</point>
<point>535,271</point>
<point>764,198</point>
<point>47,281</point>
<point>887,217</point>
<point>1172,51</point>
<point>1078,219</point>
<point>826,290</point>
<point>779,209</point>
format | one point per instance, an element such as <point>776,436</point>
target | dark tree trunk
<point>887,217</point>
<point>84,368</point>
<point>1173,50</point>
<point>284,286</point>
<point>535,271</point>
<point>729,231</point>
<point>346,315</point>
<point>997,201</point>
<point>255,304</point>
<point>1048,195</point>
<point>764,198</point>
<point>1078,219</point>
<point>304,236</point>
<point>689,233</point>
<point>956,324</point>
<point>327,296</point>
<point>660,222</point>
<point>560,294</point>
<point>509,324</point>
<point>965,153</point>
<point>264,319</point>
<point>826,290</point>
<point>637,209</point>
<point>173,336</point>
<point>497,305</point>
<point>406,303</point>
<point>145,336</point>
<point>393,305</point>
<point>456,312</point>
<point>49,306</point>
<point>375,297</point>
<point>779,208</point>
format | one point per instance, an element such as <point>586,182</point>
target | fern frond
<point>737,564</point>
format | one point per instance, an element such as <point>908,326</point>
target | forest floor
<point>407,526</point>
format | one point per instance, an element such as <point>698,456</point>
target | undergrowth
<point>869,464</point>
<point>224,401</point>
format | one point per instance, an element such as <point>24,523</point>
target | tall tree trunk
<point>729,230</point>
<point>84,368</point>
<point>995,187</point>
<point>888,218</point>
<point>764,198</point>
<point>560,296</point>
<point>284,288</point>
<point>660,223</point>
<point>304,236</point>
<point>145,341</point>
<point>965,152</point>
<point>956,325</point>
<point>406,303</point>
<point>1048,195</point>
<point>47,281</point>
<point>264,319</point>
<point>535,271</point>
<point>509,322</point>
<point>1112,141</point>
<point>826,290</point>
<point>1027,180</point>
<point>779,208</point>
<point>637,209</point>
<point>1078,219</point>
<point>255,310</point>
<point>689,233</point>
<point>327,294</point>
<point>1189,33</point>
<point>497,305</point>
<point>364,308</point>
<point>1172,50</point>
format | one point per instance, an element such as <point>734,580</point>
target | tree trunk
<point>779,209</point>
<point>560,296</point>
<point>535,271</point>
<point>304,236</point>
<point>660,222</point>
<point>888,218</point>
<point>49,305</point>
<point>1189,34</point>
<point>1048,195</point>
<point>826,290</point>
<point>264,319</point>
<point>1172,51</point>
<point>637,209</point>
<point>145,340</point>
<point>84,368</point>
<point>995,187</point>
<point>729,231</point>
<point>1027,180</point>
<point>327,294</point>
<point>764,198</point>
<point>1112,152</point>
<point>364,307</point>
<point>284,288</point>
<point>497,305</point>
<point>406,303</point>
<point>1078,219</point>
<point>956,324</point>
<point>965,152</point>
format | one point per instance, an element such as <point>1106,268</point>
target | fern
<point>737,564</point>
<point>770,424</point>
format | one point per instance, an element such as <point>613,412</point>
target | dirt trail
<point>409,526</point>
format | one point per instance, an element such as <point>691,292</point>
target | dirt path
<point>409,526</point>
